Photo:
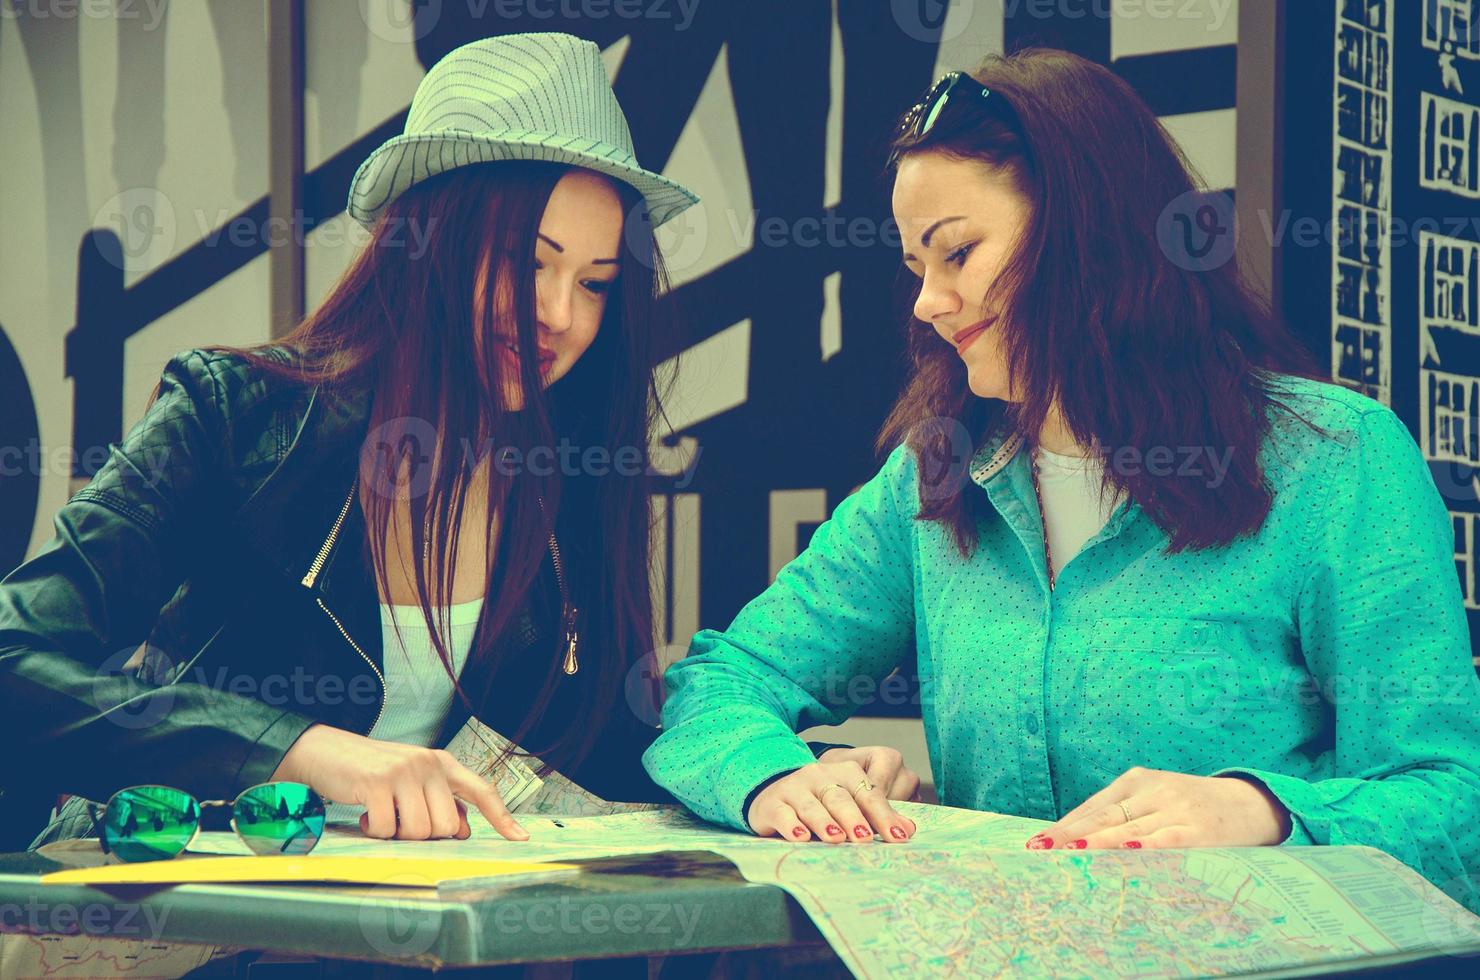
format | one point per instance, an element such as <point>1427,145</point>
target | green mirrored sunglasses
<point>151,823</point>
<point>952,88</point>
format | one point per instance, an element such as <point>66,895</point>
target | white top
<point>1072,509</point>
<point>418,691</point>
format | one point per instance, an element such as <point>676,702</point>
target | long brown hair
<point>1138,350</point>
<point>401,320</point>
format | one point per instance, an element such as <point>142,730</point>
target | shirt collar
<point>994,455</point>
<point>991,460</point>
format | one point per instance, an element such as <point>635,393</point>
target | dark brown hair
<point>1137,350</point>
<point>403,324</point>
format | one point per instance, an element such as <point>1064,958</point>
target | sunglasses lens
<point>149,823</point>
<point>928,110</point>
<point>942,95</point>
<point>279,818</point>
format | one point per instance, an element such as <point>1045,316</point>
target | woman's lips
<point>967,337</point>
<point>547,357</point>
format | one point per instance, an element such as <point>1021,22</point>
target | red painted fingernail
<point>1077,844</point>
<point>861,831</point>
<point>1131,843</point>
<point>1040,843</point>
<point>897,833</point>
<point>834,829</point>
<point>799,831</point>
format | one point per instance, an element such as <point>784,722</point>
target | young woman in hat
<point>1165,589</point>
<point>425,502</point>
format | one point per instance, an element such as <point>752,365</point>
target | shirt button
<point>1032,722</point>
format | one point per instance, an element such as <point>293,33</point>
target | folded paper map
<point>514,775</point>
<point>964,897</point>
<point>485,752</point>
<point>480,749</point>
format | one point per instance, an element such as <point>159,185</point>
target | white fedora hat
<point>514,97</point>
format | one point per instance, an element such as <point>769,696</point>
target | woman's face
<point>576,262</point>
<point>959,221</point>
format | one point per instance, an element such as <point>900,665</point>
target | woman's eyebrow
<point>925,238</point>
<point>561,248</point>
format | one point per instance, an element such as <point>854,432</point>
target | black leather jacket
<point>196,540</point>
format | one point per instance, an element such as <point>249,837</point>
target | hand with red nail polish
<point>884,767</point>
<point>1149,808</point>
<point>828,796</point>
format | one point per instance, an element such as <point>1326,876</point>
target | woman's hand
<point>1171,809</point>
<point>883,766</point>
<point>824,798</point>
<point>409,792</point>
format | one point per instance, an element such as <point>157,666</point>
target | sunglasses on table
<point>153,823</point>
<point>953,89</point>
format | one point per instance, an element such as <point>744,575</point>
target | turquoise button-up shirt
<point>1326,655</point>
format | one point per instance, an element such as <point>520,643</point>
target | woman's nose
<point>934,302</point>
<point>553,307</point>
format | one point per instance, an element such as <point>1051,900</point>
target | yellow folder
<point>406,872</point>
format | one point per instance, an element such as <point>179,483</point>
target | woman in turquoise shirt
<point>1255,635</point>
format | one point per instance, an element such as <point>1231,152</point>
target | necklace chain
<point>1042,517</point>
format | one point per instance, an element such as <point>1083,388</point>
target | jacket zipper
<point>323,556</point>
<point>313,573</point>
<point>568,613</point>
<point>568,619</point>
<point>348,639</point>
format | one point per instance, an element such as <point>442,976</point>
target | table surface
<point>646,904</point>
<point>663,903</point>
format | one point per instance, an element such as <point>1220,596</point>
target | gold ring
<point>823,791</point>
<point>1125,810</point>
<point>863,787</point>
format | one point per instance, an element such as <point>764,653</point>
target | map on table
<point>964,897</point>
<point>23,955</point>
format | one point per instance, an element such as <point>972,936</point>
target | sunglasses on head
<point>953,88</point>
<point>152,823</point>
